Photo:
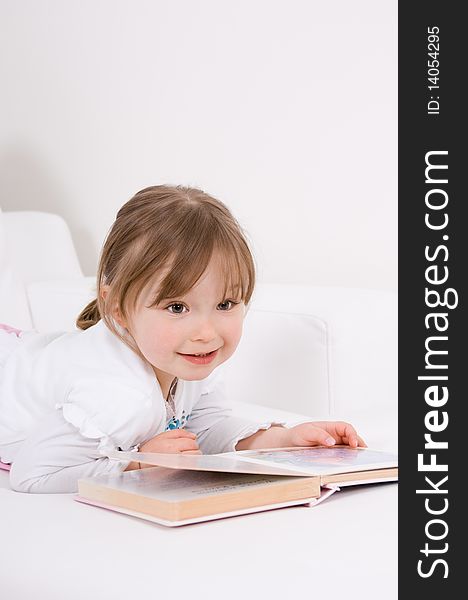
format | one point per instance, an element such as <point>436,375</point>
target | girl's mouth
<point>200,359</point>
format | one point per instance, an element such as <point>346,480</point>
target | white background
<point>286,111</point>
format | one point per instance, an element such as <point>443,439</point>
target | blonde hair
<point>173,227</point>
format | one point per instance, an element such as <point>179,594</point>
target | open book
<point>188,488</point>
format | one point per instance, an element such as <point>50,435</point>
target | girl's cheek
<point>234,334</point>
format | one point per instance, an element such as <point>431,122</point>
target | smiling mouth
<point>200,354</point>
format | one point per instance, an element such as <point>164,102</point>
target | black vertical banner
<point>433,353</point>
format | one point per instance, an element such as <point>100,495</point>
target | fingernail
<point>329,441</point>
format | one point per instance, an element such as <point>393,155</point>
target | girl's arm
<point>276,436</point>
<point>313,433</point>
<point>55,455</point>
<point>217,429</point>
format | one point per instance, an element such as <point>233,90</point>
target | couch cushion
<point>362,330</point>
<point>281,362</point>
<point>14,308</point>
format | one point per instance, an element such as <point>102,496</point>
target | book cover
<point>325,493</point>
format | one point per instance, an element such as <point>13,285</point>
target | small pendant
<point>173,424</point>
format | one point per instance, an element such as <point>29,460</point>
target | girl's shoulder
<point>99,351</point>
<point>109,391</point>
<point>64,361</point>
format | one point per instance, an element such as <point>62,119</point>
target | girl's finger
<point>362,443</point>
<point>178,445</point>
<point>348,433</point>
<point>186,445</point>
<point>354,442</point>
<point>314,435</point>
<point>178,433</point>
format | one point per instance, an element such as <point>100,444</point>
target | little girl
<point>174,282</point>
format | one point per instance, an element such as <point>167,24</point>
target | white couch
<point>306,353</point>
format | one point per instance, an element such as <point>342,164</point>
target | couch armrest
<point>40,246</point>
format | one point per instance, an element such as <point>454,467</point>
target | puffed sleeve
<point>212,419</point>
<point>70,442</point>
<point>54,456</point>
<point>113,412</point>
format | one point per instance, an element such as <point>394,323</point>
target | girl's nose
<point>204,332</point>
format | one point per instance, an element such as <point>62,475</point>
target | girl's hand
<point>172,441</point>
<point>324,433</point>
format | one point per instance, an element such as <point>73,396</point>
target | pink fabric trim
<point>4,466</point>
<point>10,329</point>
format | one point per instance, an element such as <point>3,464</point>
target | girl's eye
<point>177,305</point>
<point>231,302</point>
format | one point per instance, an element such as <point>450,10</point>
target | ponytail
<point>89,316</point>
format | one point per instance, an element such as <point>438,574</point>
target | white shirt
<point>67,398</point>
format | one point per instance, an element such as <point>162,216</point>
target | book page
<point>321,460</point>
<point>227,463</point>
<point>172,485</point>
<point>310,460</point>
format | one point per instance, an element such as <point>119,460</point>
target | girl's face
<point>202,321</point>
